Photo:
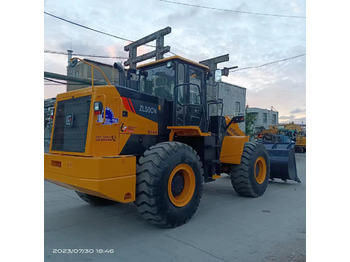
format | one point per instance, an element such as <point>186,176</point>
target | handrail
<point>92,70</point>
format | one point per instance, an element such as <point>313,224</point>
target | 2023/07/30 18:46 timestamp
<point>82,251</point>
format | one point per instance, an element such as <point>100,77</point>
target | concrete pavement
<point>226,227</point>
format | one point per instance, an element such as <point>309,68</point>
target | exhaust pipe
<point>120,69</point>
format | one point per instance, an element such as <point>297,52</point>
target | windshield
<point>158,81</point>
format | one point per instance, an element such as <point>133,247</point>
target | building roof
<point>260,109</point>
<point>233,85</point>
<point>95,62</point>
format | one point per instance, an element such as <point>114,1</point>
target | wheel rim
<point>181,185</point>
<point>260,170</point>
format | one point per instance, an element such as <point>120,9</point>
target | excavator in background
<point>284,133</point>
<point>152,140</point>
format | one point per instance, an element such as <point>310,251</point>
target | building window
<point>238,107</point>
<point>274,119</point>
<point>76,73</point>
<point>264,117</point>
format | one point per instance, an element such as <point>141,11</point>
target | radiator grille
<point>71,122</point>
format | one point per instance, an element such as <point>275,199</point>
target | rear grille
<point>71,122</point>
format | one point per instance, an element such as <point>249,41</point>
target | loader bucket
<point>282,161</point>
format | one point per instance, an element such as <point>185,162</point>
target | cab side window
<point>195,89</point>
<point>180,81</point>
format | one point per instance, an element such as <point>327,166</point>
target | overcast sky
<point>197,34</point>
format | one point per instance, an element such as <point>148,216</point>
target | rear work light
<point>52,113</point>
<point>98,107</point>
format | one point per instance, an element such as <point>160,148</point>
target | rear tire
<point>169,184</point>
<point>298,149</point>
<point>251,177</point>
<point>94,200</point>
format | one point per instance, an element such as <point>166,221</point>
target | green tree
<point>250,119</point>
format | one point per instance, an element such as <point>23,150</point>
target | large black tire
<point>298,149</point>
<point>251,177</point>
<point>169,184</point>
<point>94,200</point>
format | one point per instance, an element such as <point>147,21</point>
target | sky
<point>197,33</point>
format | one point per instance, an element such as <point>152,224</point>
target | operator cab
<point>183,83</point>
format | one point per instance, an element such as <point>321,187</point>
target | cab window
<point>196,77</point>
<point>158,81</point>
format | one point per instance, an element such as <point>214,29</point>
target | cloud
<point>292,118</point>
<point>285,117</point>
<point>197,34</point>
<point>297,110</point>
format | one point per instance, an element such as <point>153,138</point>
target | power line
<point>233,11</point>
<point>86,27</point>
<point>95,30</point>
<point>98,56</point>
<point>270,63</point>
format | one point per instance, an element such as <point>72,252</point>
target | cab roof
<point>173,58</point>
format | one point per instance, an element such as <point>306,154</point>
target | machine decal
<point>142,108</point>
<point>105,138</point>
<point>128,104</point>
<point>127,129</point>
<point>148,109</point>
<point>110,120</point>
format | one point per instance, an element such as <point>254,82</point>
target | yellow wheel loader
<point>151,140</point>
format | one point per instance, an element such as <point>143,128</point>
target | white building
<point>264,118</point>
<point>234,99</point>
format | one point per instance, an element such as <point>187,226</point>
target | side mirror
<point>218,75</point>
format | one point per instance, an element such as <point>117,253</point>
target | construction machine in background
<point>152,140</point>
<point>299,137</point>
<point>300,142</point>
<point>285,133</point>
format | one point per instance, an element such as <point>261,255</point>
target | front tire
<point>169,184</point>
<point>251,177</point>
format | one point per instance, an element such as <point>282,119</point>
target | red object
<point>128,104</point>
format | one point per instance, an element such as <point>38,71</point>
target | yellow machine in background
<point>297,134</point>
<point>292,126</point>
<point>300,142</point>
<point>233,128</point>
<point>300,137</point>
